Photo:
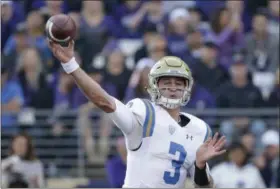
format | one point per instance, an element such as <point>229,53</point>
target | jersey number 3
<point>173,177</point>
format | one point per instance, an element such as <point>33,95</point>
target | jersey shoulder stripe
<point>149,123</point>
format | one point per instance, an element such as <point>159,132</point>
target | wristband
<point>70,66</point>
<point>200,176</point>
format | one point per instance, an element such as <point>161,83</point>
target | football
<point>61,29</point>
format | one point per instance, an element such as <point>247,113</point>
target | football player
<point>163,144</point>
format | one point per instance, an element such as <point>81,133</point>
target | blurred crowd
<point>232,48</point>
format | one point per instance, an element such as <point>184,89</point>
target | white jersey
<point>235,177</point>
<point>160,151</point>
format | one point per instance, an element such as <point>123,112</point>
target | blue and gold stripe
<point>149,124</point>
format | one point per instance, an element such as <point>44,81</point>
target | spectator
<point>139,88</point>
<point>12,100</point>
<point>274,15</point>
<point>202,99</point>
<point>129,16</point>
<point>96,28</point>
<point>73,6</point>
<point>268,161</point>
<point>116,165</point>
<point>11,15</point>
<point>209,7</point>
<point>48,8</point>
<point>21,42</point>
<point>35,36</point>
<point>156,50</point>
<point>66,97</point>
<point>229,97</point>
<point>196,21</point>
<point>37,93</point>
<point>154,16</point>
<point>91,121</point>
<point>207,67</point>
<point>149,33</point>
<point>194,40</point>
<point>107,85</point>
<point>230,93</point>
<point>262,47</point>
<point>178,22</point>
<point>240,174</point>
<point>240,8</point>
<point>63,92</point>
<point>168,6</point>
<point>248,140</point>
<point>110,6</point>
<point>116,73</point>
<point>82,43</point>
<point>86,121</point>
<point>235,7</point>
<point>274,98</point>
<point>227,34</point>
<point>22,160</point>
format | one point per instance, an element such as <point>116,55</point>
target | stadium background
<point>117,43</point>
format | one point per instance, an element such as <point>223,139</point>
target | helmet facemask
<point>170,103</point>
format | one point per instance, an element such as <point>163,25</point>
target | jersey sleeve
<point>208,133</point>
<point>129,119</point>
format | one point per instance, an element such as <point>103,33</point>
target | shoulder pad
<point>138,108</point>
<point>145,113</point>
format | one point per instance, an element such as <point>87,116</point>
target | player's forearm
<point>94,91</point>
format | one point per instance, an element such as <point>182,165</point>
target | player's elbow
<point>107,105</point>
